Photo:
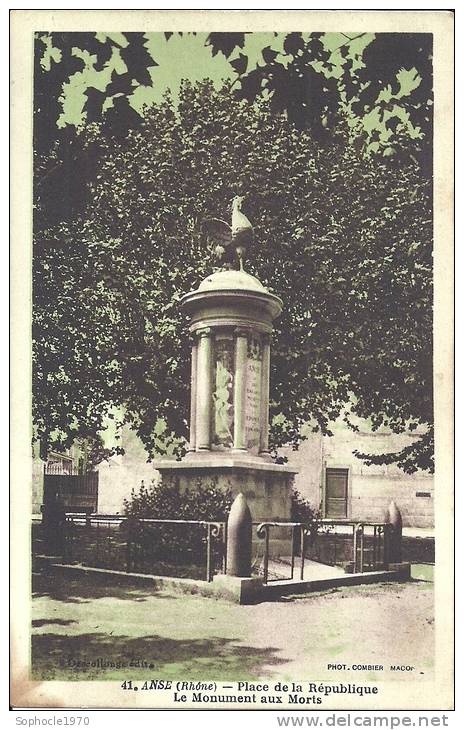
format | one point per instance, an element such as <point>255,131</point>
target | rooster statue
<point>230,242</point>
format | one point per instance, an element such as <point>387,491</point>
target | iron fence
<point>182,548</point>
<point>197,549</point>
<point>357,546</point>
<point>297,543</point>
<point>361,546</point>
<point>61,467</point>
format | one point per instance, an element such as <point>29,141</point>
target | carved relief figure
<point>222,396</point>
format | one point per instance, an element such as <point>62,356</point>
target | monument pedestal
<point>266,486</point>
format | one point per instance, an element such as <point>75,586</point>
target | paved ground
<point>312,571</point>
<point>77,623</point>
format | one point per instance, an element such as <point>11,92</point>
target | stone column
<point>204,393</point>
<point>266,363</point>
<point>241,352</point>
<point>193,399</point>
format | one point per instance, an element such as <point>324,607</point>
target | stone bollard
<point>239,529</point>
<point>393,517</point>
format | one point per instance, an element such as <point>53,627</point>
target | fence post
<point>239,530</point>
<point>361,548</point>
<point>393,518</point>
<point>209,576</point>
<point>54,522</point>
<point>302,551</point>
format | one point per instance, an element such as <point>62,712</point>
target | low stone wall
<point>237,590</point>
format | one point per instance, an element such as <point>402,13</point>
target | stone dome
<point>230,280</point>
<point>235,296</point>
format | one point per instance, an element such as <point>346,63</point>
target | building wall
<point>308,461</point>
<point>370,488</point>
<point>37,484</point>
<point>118,476</point>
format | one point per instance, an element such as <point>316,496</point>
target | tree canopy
<point>382,82</point>
<point>344,239</point>
<point>387,75</point>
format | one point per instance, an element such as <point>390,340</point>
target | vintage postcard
<point>232,359</point>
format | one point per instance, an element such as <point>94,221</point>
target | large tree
<point>382,82</point>
<point>303,74</point>
<point>344,239</point>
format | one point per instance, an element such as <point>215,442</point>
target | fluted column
<point>204,394</point>
<point>241,351</point>
<point>264,419</point>
<point>193,399</point>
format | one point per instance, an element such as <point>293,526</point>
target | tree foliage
<point>309,81</point>
<point>176,543</point>
<point>62,163</point>
<point>345,240</point>
<point>205,501</point>
<point>58,56</point>
<point>306,79</point>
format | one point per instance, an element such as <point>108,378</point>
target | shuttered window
<point>336,493</point>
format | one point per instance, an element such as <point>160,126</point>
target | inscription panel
<point>253,395</point>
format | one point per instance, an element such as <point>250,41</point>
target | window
<point>336,493</point>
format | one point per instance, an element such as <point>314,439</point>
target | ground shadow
<point>101,656</point>
<point>363,590</point>
<point>84,588</point>
<point>39,622</point>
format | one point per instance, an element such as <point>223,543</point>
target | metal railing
<point>198,548</point>
<point>367,545</point>
<point>146,545</point>
<point>369,542</point>
<point>296,528</point>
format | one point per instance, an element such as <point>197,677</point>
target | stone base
<point>238,590</point>
<point>403,569</point>
<point>266,486</point>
